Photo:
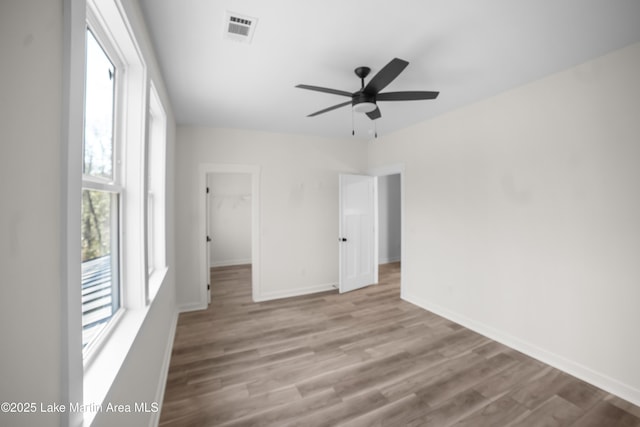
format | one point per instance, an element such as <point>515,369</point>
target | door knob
<point>342,239</point>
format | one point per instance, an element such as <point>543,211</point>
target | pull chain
<point>375,128</point>
<point>353,131</point>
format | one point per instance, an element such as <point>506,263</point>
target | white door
<point>358,232</point>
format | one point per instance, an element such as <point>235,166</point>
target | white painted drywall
<point>229,218</point>
<point>298,204</point>
<point>522,217</point>
<point>389,219</point>
<point>30,216</point>
<point>32,249</point>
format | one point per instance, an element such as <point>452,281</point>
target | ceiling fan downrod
<point>362,72</point>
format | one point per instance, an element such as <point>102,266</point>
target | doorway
<point>228,225</point>
<point>229,219</point>
<point>391,224</point>
<point>229,222</point>
<point>389,219</point>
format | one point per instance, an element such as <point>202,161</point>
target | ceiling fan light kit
<point>365,106</point>
<point>365,100</point>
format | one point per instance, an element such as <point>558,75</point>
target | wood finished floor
<point>365,358</point>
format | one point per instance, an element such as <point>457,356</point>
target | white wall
<point>30,216</point>
<point>229,219</point>
<point>389,219</point>
<point>298,204</point>
<point>522,218</point>
<point>32,241</point>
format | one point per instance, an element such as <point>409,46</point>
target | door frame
<point>205,169</point>
<point>397,169</point>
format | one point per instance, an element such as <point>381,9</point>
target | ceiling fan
<point>365,100</point>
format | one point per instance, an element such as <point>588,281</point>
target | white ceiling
<point>467,50</point>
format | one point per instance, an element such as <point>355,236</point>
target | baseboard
<point>579,371</point>
<point>267,296</point>
<point>191,307</point>
<point>389,260</point>
<point>162,382</point>
<point>231,262</point>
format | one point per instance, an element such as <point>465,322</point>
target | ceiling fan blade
<point>326,90</point>
<point>406,96</point>
<point>329,109</point>
<point>385,76</point>
<point>375,114</point>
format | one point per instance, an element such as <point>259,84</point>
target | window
<point>113,216</point>
<point>156,161</point>
<point>117,109</point>
<point>101,194</point>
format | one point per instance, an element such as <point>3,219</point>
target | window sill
<point>102,368</point>
<point>100,374</point>
<point>155,281</point>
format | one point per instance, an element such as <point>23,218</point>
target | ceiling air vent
<point>239,28</point>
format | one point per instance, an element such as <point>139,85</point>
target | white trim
<point>97,29</point>
<point>134,238</point>
<point>388,260</point>
<point>164,372</point>
<point>155,173</point>
<point>272,295</point>
<point>156,279</point>
<point>74,15</point>
<point>376,233</point>
<point>101,339</point>
<point>395,169</point>
<point>584,373</point>
<point>203,170</point>
<point>231,262</point>
<point>196,306</point>
<point>106,363</point>
<point>110,25</point>
<point>89,183</point>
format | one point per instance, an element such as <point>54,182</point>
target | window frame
<point>89,379</point>
<point>155,192</point>
<point>113,186</point>
<point>109,24</point>
<point>104,42</point>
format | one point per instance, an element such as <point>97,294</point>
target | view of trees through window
<point>96,224</point>
<point>100,88</point>
<point>100,194</point>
